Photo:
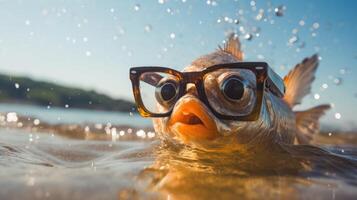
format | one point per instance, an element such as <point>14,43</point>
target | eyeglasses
<point>232,91</point>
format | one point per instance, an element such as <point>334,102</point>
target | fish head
<point>193,122</point>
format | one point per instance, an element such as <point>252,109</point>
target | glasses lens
<point>231,91</point>
<point>159,91</point>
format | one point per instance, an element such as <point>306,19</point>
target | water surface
<point>41,162</point>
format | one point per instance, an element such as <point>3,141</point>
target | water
<point>48,162</point>
<point>55,115</point>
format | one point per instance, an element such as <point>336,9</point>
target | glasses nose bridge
<point>191,82</point>
<point>191,77</point>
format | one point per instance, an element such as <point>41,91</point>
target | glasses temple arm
<point>275,83</point>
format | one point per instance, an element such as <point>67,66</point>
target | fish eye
<point>166,91</point>
<point>233,88</point>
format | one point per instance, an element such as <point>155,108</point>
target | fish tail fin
<point>307,123</point>
<point>299,79</point>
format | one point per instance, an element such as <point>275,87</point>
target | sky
<point>92,44</point>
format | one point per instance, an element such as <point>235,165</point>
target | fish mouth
<point>191,121</point>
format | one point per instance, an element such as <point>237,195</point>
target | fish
<point>193,123</point>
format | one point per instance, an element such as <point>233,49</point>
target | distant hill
<point>25,90</point>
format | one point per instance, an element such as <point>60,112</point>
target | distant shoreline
<point>14,103</point>
<point>24,90</point>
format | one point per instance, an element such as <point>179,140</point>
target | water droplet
<point>85,39</point>
<point>88,53</point>
<point>279,11</point>
<point>301,22</point>
<point>28,22</point>
<point>329,134</point>
<point>236,21</point>
<point>317,96</point>
<point>151,134</point>
<point>324,86</point>
<point>20,124</point>
<point>293,39</point>
<point>342,71</point>
<point>260,15</point>
<point>315,25</point>
<point>295,31</point>
<point>211,2</point>
<point>169,10</point>
<point>148,28</point>
<point>98,126</point>
<point>114,134</point>
<point>36,122</point>
<point>121,133</point>
<point>17,86</point>
<point>338,115</point>
<point>11,117</point>
<point>337,81</point>
<point>172,35</point>
<point>252,3</point>
<point>161,1</point>
<point>228,19</point>
<point>141,133</point>
<point>260,57</point>
<point>86,129</point>
<point>66,106</point>
<point>137,7</point>
<point>130,130</point>
<point>112,10</point>
<point>248,36</point>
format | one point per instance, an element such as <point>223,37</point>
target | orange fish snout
<point>191,121</point>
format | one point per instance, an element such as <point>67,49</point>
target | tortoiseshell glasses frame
<point>266,78</point>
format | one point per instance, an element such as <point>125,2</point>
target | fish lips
<point>191,121</point>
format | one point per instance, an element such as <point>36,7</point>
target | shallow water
<point>49,162</point>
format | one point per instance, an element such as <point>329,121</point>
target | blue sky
<point>92,44</point>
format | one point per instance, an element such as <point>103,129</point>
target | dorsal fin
<point>298,81</point>
<point>232,46</point>
<point>307,123</point>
